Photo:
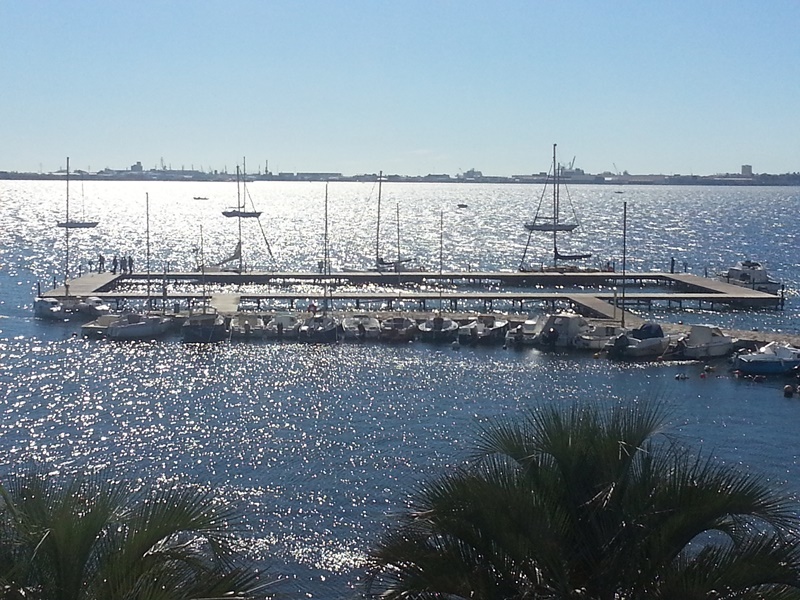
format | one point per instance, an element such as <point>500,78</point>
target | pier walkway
<point>452,290</point>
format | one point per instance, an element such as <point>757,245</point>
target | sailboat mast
<point>398,237</point>
<point>240,208</point>
<point>555,206</point>
<point>378,226</point>
<point>147,245</point>
<point>66,238</point>
<point>325,264</point>
<point>441,241</point>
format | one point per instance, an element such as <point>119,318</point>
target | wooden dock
<point>607,295</point>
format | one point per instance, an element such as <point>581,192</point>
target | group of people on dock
<point>123,263</point>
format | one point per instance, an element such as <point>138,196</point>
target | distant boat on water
<point>69,223</point>
<point>240,211</point>
<point>550,221</point>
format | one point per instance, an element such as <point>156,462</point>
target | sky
<point>406,87</point>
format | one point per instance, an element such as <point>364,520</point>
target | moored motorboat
<point>138,326</point>
<point>525,333</point>
<point>704,341</point>
<point>646,341</point>
<point>772,359</point>
<point>398,329</point>
<point>282,326</point>
<point>93,307</point>
<point>438,330</point>
<point>321,328</point>
<point>204,327</point>
<point>361,327</point>
<point>98,328</point>
<point>751,274</point>
<point>49,309</point>
<point>597,337</point>
<point>483,329</point>
<point>246,326</point>
<point>560,330</point>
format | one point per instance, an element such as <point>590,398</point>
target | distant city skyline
<point>410,88</point>
<point>264,168</point>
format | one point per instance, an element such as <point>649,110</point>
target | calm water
<point>322,445</point>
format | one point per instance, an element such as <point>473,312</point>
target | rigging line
<point>544,191</point>
<point>264,235</point>
<point>258,219</point>
<point>572,206</point>
<point>525,252</point>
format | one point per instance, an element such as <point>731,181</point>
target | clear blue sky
<point>406,86</point>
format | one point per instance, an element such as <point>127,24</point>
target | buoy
<point>702,375</point>
<point>456,345</point>
<point>788,391</point>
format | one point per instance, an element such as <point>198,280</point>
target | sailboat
<point>69,223</point>
<point>66,307</point>
<point>381,264</point>
<point>240,211</point>
<point>140,325</point>
<point>550,222</point>
<point>321,327</point>
<point>206,326</point>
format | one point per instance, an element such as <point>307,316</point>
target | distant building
<point>747,170</point>
<point>137,167</point>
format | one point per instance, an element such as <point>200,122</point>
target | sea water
<point>322,445</point>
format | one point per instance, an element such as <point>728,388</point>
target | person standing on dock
<point>130,264</point>
<point>114,265</point>
<point>101,263</point>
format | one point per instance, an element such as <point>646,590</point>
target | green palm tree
<point>91,538</point>
<point>592,504</point>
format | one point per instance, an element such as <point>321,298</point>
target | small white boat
<point>438,330</point>
<point>772,359</point>
<point>98,328</point>
<point>484,329</point>
<point>246,326</point>
<point>597,337</point>
<point>361,327</point>
<point>138,326</point>
<point>525,333</point>
<point>321,328</point>
<point>93,307</point>
<point>751,274</point>
<point>282,326</point>
<point>643,342</point>
<point>50,309</point>
<point>560,330</point>
<point>704,341</point>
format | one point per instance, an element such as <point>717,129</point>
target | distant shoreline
<point>789,179</point>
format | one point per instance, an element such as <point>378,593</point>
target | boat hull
<point>438,330</point>
<point>398,330</point>
<point>204,329</point>
<point>750,365</point>
<point>321,330</point>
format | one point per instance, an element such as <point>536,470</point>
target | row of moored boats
<point>563,330</point>
<point>568,330</point>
